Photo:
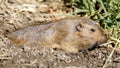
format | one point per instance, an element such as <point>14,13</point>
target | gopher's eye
<point>93,30</point>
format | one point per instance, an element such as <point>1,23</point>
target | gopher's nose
<point>104,38</point>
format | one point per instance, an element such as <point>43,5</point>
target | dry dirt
<point>17,14</point>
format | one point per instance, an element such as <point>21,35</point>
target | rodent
<point>71,34</point>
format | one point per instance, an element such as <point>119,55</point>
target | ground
<point>15,15</point>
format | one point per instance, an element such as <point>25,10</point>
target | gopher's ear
<point>78,27</point>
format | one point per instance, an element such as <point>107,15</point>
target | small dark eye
<point>93,30</point>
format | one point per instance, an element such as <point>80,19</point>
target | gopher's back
<point>29,35</point>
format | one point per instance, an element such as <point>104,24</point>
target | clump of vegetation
<point>106,12</point>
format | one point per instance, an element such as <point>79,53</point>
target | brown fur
<point>71,35</point>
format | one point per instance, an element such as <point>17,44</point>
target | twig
<point>109,57</point>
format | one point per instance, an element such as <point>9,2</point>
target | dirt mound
<point>40,57</point>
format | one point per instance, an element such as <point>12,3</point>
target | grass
<point>106,12</point>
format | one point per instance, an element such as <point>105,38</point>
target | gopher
<point>71,35</point>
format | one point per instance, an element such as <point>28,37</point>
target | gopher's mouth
<point>93,47</point>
